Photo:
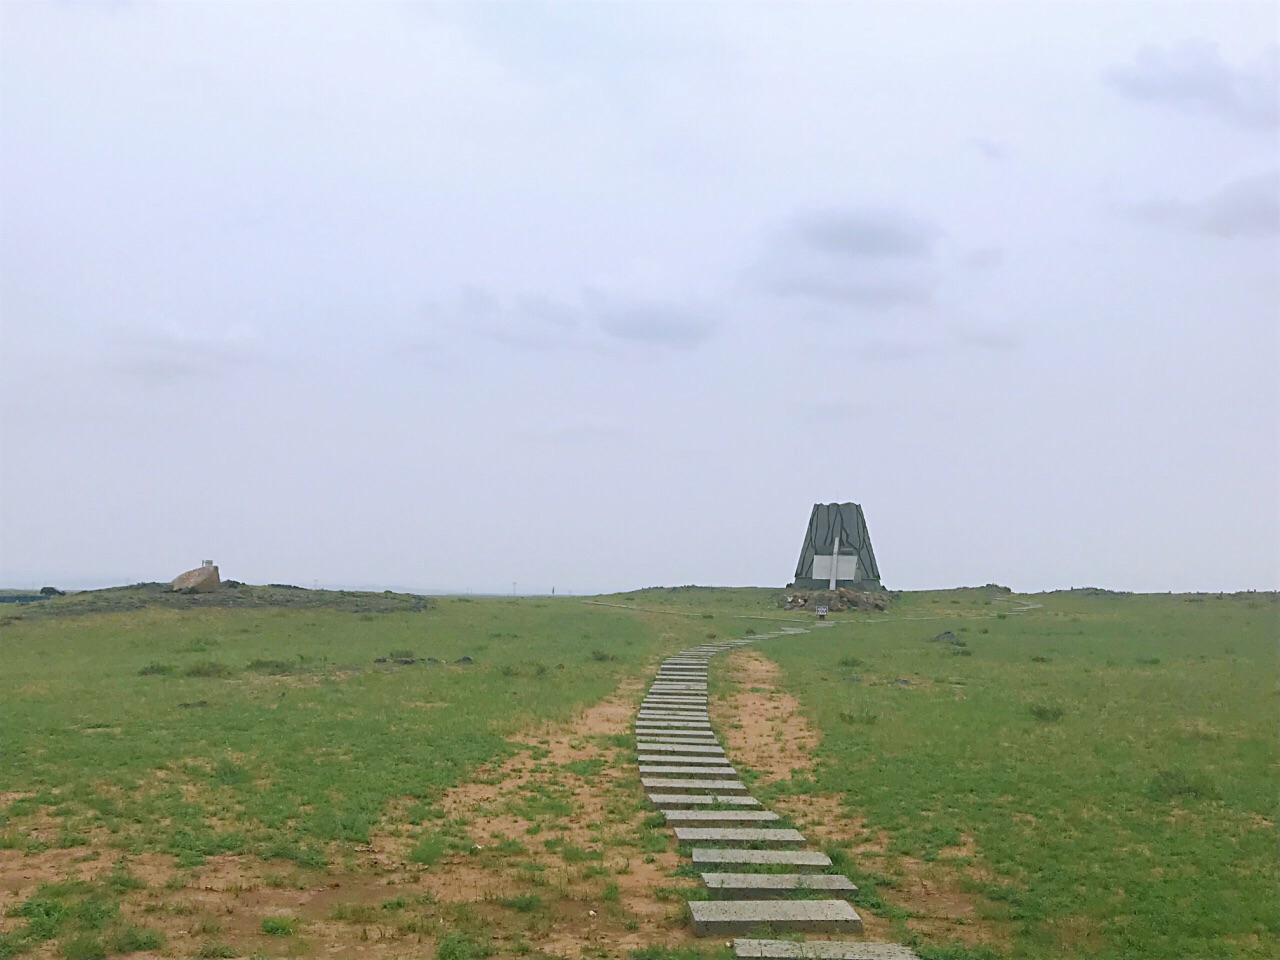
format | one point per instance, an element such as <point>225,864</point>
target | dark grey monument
<point>837,550</point>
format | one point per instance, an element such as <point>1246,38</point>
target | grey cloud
<point>175,352</point>
<point>1193,77</point>
<point>658,323</point>
<point>871,294</point>
<point>991,149</point>
<point>870,259</point>
<point>867,233</point>
<point>1249,207</point>
<point>593,322</point>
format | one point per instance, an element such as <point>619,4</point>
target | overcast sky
<point>604,296</point>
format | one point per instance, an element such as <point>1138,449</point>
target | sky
<point>595,296</point>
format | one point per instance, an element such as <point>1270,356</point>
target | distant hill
<point>230,594</point>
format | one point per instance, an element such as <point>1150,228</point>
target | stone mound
<point>842,598</point>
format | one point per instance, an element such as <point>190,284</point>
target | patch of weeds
<point>610,892</point>
<point>134,939</point>
<point>575,854</point>
<point>602,657</point>
<point>1168,784</point>
<point>157,670</point>
<point>525,903</point>
<point>120,880</point>
<point>272,668</point>
<point>584,768</point>
<point>460,946</point>
<point>208,668</point>
<point>279,926</point>
<point>865,717</point>
<point>1040,660</point>
<point>44,917</point>
<point>395,903</point>
<point>207,927</point>
<point>1046,712</point>
<point>851,662</point>
<point>1149,661</point>
<point>84,947</point>
<point>230,774</point>
<point>217,951</point>
<point>93,914</point>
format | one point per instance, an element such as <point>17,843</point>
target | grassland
<point>1095,777</point>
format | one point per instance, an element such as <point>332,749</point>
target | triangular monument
<point>837,550</point>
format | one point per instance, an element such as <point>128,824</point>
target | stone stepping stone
<point>753,886</point>
<point>663,770</point>
<point>682,760</point>
<point>696,705</point>
<point>821,950</point>
<point>705,818</point>
<point>677,710</point>
<point>672,725</point>
<point>796,859</point>
<point>693,786</point>
<point>669,735</point>
<point>677,801</point>
<point>698,682</point>
<point>673,706</point>
<point>683,698</point>
<point>691,748</point>
<point>737,835</point>
<point>720,917</point>
<point>676,739</point>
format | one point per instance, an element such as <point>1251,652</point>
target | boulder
<point>202,579</point>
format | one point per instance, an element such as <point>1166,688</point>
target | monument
<point>837,550</point>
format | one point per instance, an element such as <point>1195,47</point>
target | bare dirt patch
<point>763,727</point>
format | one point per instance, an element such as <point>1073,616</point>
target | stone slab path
<point>686,775</point>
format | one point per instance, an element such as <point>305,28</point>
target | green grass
<point>1099,775</point>
<point>1112,757</point>
<point>267,749</point>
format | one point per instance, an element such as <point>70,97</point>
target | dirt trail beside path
<point>765,730</point>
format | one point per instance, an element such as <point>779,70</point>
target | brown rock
<point>203,579</point>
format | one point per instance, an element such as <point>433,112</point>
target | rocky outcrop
<point>203,579</point>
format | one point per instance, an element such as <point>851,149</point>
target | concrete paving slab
<point>821,950</point>
<point>672,770</point>
<point>680,801</point>
<point>737,835</point>
<point>707,785</point>
<point>722,917</point>
<point>706,818</point>
<point>656,748</point>
<point>805,860</point>
<point>754,886</point>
